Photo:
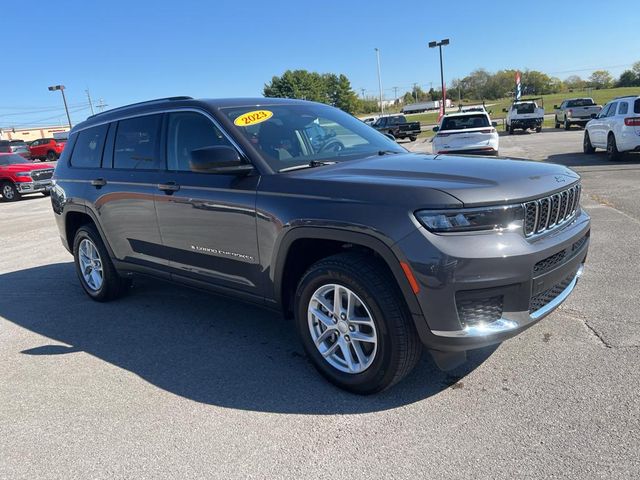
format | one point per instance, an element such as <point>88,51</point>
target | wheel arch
<point>78,217</point>
<point>325,242</point>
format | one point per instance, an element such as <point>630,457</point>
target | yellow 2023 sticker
<point>252,118</point>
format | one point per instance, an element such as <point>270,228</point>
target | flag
<point>518,86</point>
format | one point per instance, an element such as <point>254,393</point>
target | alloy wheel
<point>90,264</point>
<point>342,328</point>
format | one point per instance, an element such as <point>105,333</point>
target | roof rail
<point>627,96</point>
<point>147,102</point>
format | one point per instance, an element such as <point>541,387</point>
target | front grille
<point>549,263</point>
<point>44,174</point>
<point>472,311</point>
<point>545,213</point>
<point>546,297</point>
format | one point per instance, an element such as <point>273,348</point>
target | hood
<point>26,167</point>
<point>474,181</point>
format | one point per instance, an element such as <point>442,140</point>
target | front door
<point>207,221</point>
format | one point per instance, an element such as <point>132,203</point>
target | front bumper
<point>33,187</point>
<point>507,281</point>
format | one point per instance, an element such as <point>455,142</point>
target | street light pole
<point>444,94</point>
<point>64,99</point>
<point>379,80</point>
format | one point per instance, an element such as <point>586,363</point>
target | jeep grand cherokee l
<point>373,251</point>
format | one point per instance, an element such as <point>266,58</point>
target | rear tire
<point>51,156</point>
<point>557,123</point>
<point>587,147</point>
<point>612,148</point>
<point>510,130</point>
<point>380,315</point>
<point>96,272</point>
<point>538,129</point>
<point>9,192</point>
<point>413,138</point>
<point>567,125</point>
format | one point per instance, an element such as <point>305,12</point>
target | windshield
<point>12,160</point>
<point>465,121</point>
<point>291,135</point>
<point>525,107</point>
<point>580,102</point>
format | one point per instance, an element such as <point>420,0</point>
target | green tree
<point>574,82</point>
<point>628,79</point>
<point>600,79</point>
<point>636,69</point>
<point>326,88</point>
<point>408,98</point>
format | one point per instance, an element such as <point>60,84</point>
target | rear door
<point>597,127</point>
<point>122,192</point>
<point>207,221</point>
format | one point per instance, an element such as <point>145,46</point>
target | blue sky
<point>127,51</point>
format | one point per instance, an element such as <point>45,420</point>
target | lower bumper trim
<point>505,325</point>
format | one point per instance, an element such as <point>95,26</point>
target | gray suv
<point>374,252</point>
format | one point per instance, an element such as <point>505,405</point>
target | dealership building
<point>33,133</point>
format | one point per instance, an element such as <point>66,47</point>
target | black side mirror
<point>389,136</point>
<point>556,107</point>
<point>494,124</point>
<point>436,128</point>
<point>505,110</point>
<point>219,159</point>
<point>594,115</point>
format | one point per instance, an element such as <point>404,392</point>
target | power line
<point>41,120</point>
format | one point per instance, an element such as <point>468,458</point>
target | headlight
<point>508,217</point>
<point>23,174</point>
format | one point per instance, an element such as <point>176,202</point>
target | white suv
<point>468,133</point>
<point>616,128</point>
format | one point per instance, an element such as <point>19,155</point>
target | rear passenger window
<point>636,106</point>
<point>623,109</point>
<point>87,152</point>
<point>137,143</point>
<point>187,132</point>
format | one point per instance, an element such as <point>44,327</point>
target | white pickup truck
<point>524,114</point>
<point>575,111</point>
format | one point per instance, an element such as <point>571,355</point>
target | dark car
<point>373,251</point>
<point>398,127</point>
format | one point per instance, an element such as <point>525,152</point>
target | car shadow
<point>197,345</point>
<point>599,158</point>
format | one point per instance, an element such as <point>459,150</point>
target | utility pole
<point>101,105</point>
<point>415,91</point>
<point>444,93</point>
<point>379,81</point>
<point>362,90</point>
<point>90,103</point>
<point>53,88</point>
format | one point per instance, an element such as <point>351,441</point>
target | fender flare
<point>386,253</point>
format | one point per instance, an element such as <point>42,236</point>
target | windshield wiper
<point>311,164</point>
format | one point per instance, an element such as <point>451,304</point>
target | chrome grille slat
<point>545,213</point>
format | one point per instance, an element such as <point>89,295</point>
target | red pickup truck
<point>46,149</point>
<point>19,176</point>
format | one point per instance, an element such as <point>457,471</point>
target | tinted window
<point>465,121</point>
<point>580,102</point>
<point>137,142</point>
<point>636,106</point>
<point>523,108</point>
<point>188,132</point>
<point>612,109</point>
<point>623,108</point>
<point>88,148</point>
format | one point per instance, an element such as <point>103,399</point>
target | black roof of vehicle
<point>184,101</point>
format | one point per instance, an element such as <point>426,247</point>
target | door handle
<point>98,182</point>
<point>169,187</point>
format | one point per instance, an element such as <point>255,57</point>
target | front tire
<point>413,138</point>
<point>557,123</point>
<point>96,272</point>
<point>10,193</point>
<point>538,129</point>
<point>612,148</point>
<point>587,147</point>
<point>354,325</point>
<point>567,125</point>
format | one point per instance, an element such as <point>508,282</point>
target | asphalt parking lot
<point>174,383</point>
